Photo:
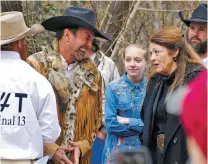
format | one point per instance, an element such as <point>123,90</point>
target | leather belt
<point>161,141</point>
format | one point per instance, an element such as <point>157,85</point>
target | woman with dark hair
<point>175,63</point>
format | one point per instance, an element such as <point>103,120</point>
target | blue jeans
<point>97,151</point>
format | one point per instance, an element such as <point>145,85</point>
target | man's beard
<point>80,55</point>
<point>200,48</point>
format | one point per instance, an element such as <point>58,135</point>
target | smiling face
<point>81,42</point>
<point>134,63</point>
<point>162,59</point>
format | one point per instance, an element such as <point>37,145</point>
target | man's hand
<point>76,152</point>
<point>123,120</point>
<point>60,157</point>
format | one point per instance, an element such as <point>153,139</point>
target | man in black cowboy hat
<point>76,81</point>
<point>197,31</point>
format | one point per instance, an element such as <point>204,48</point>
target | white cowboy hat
<point>13,27</point>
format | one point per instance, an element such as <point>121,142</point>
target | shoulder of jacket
<point>192,71</point>
<point>116,84</point>
<point>36,56</point>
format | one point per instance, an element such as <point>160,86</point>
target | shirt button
<point>175,140</point>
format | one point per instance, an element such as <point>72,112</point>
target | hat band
<point>199,18</point>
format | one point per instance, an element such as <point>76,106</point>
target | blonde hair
<point>135,46</point>
<point>172,38</point>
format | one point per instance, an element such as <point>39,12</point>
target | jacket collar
<point>190,68</point>
<point>141,85</point>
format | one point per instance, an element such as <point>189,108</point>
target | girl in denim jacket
<point>124,100</point>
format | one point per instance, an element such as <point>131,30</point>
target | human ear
<point>20,43</point>
<point>68,35</point>
<point>176,53</point>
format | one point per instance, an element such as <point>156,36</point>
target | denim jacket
<point>125,99</point>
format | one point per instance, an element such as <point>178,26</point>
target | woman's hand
<point>123,120</point>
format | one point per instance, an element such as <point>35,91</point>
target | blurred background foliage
<point>126,21</point>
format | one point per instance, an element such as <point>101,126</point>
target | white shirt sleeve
<point>116,75</point>
<point>46,110</point>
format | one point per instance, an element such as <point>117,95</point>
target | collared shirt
<point>69,69</point>
<point>108,71</point>
<point>28,114</point>
<point>107,68</point>
<point>125,99</point>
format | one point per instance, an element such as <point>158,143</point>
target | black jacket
<point>175,150</point>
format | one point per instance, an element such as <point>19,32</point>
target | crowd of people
<point>68,104</point>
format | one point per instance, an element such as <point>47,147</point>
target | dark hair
<point>95,46</point>
<point>172,38</point>
<point>8,46</point>
<point>60,33</point>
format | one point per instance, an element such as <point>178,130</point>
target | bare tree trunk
<point>124,31</point>
<point>105,16</point>
<point>112,25</point>
<point>11,6</point>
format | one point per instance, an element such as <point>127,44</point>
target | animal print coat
<point>79,100</point>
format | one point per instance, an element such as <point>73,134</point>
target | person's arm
<point>31,60</point>
<point>50,148</point>
<point>135,124</point>
<point>103,99</point>
<point>47,112</point>
<point>116,74</point>
<point>112,125</point>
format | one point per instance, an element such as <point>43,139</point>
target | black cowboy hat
<point>74,17</point>
<point>198,15</point>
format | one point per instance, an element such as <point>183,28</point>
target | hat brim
<point>104,40</point>
<point>60,22</point>
<point>188,21</point>
<point>36,28</point>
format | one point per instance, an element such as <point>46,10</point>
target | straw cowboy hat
<point>13,27</point>
<point>198,15</point>
<point>74,17</point>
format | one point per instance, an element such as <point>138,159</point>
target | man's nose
<point>196,32</point>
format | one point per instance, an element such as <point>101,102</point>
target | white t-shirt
<point>28,113</point>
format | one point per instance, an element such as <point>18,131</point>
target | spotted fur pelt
<point>68,90</point>
<point>80,76</point>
